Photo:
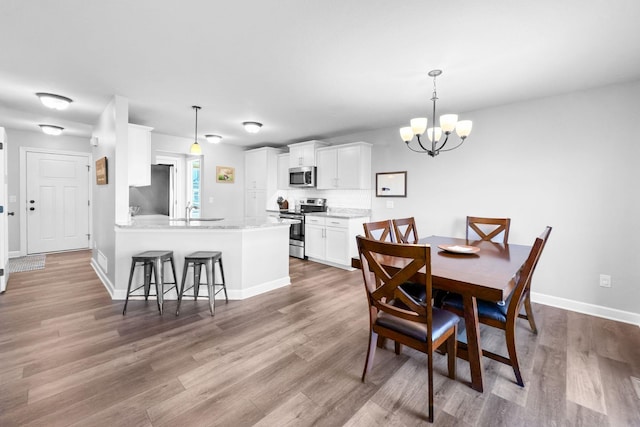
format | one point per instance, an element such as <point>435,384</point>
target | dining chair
<point>379,230</point>
<point>487,228</point>
<point>395,314</point>
<point>504,316</point>
<point>405,230</point>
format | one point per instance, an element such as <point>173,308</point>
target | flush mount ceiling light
<point>51,129</point>
<point>213,138</point>
<point>195,147</point>
<point>448,122</point>
<point>252,127</point>
<point>57,102</point>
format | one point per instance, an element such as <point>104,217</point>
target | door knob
<point>32,201</point>
<point>32,209</point>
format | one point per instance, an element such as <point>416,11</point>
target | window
<point>193,186</point>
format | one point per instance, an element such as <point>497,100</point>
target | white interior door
<point>57,202</point>
<point>4,231</point>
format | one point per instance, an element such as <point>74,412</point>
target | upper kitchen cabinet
<point>283,171</point>
<point>304,153</point>
<point>261,168</point>
<point>345,166</point>
<point>139,159</point>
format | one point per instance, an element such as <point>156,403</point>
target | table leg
<point>474,347</point>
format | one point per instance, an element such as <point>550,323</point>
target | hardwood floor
<point>293,356</point>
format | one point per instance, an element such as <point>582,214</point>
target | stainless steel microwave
<point>302,177</point>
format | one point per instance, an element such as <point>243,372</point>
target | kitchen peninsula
<point>255,251</point>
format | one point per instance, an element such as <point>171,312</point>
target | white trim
<point>103,278</point>
<point>332,264</point>
<point>14,254</point>
<point>586,308</point>
<point>23,190</point>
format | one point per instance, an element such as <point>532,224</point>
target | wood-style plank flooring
<point>291,357</point>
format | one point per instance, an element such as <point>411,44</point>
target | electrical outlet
<point>605,281</point>
<point>389,204</point>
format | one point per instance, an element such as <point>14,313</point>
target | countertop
<point>155,222</point>
<point>330,214</point>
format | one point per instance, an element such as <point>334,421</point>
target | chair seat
<point>417,290</point>
<point>487,309</point>
<point>442,321</point>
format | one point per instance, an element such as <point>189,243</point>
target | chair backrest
<point>379,230</point>
<point>488,228</point>
<point>526,273</point>
<point>405,230</point>
<point>383,284</point>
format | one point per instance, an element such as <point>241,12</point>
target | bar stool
<point>208,259</point>
<point>153,263</point>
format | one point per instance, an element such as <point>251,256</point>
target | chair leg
<point>511,348</point>
<point>157,271</point>
<point>126,300</point>
<point>197,269</point>
<point>430,372</point>
<point>452,352</point>
<point>184,278</point>
<point>148,270</point>
<point>397,347</point>
<point>529,311</point>
<point>224,283</point>
<point>371,352</point>
<point>211,279</point>
<point>381,341</point>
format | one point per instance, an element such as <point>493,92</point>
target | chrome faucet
<point>188,210</point>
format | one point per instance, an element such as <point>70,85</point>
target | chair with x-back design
<point>395,314</point>
<point>479,228</point>
<point>405,230</point>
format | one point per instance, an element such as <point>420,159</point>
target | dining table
<point>475,269</point>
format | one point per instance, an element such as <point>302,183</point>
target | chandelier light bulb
<point>406,133</point>
<point>419,125</point>
<point>56,102</point>
<point>438,134</point>
<point>448,122</point>
<point>463,128</point>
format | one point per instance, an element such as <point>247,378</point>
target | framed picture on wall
<point>391,184</point>
<point>101,171</point>
<point>225,174</point>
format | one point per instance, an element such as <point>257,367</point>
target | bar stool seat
<point>153,263</point>
<point>208,259</point>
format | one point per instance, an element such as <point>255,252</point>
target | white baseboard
<point>14,254</point>
<point>332,264</point>
<point>103,278</point>
<point>591,309</point>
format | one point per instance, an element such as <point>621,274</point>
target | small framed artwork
<point>225,174</point>
<point>101,171</point>
<point>391,184</point>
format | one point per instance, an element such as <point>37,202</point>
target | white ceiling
<point>306,69</point>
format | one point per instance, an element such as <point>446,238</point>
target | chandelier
<point>448,122</point>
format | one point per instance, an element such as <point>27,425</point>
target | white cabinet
<point>345,166</point>
<point>139,155</point>
<point>304,153</point>
<point>283,171</point>
<point>332,240</point>
<point>261,173</point>
<point>255,203</point>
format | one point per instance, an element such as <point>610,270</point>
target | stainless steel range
<point>296,231</point>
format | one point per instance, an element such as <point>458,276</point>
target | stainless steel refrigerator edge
<point>157,198</point>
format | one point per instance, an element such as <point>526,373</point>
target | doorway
<point>55,201</point>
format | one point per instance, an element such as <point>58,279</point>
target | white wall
<point>109,199</point>
<point>568,161</point>
<point>35,139</point>
<point>228,199</point>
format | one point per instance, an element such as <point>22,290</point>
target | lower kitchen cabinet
<point>332,240</point>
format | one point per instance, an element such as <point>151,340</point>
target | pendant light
<point>195,147</point>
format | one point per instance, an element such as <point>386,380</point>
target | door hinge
<point>88,168</point>
<point>1,271</point>
<point>88,202</point>
<point>88,236</point>
<point>1,209</point>
<point>1,146</point>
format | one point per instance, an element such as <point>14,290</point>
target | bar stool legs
<point>208,260</point>
<point>152,262</point>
